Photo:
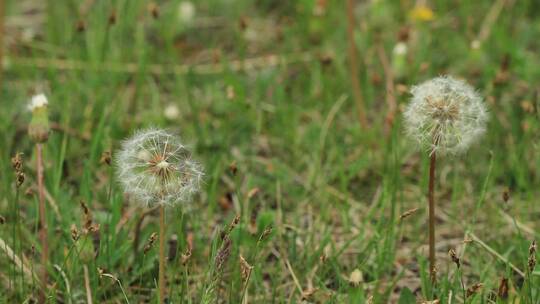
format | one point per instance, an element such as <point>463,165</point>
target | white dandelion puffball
<point>445,115</point>
<point>171,112</point>
<point>186,11</point>
<point>38,101</point>
<point>156,169</point>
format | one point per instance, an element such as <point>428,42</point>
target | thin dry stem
<point>162,254</point>
<point>390,96</point>
<point>42,223</point>
<point>19,262</point>
<point>431,198</point>
<point>87,285</point>
<point>496,254</point>
<point>353,65</point>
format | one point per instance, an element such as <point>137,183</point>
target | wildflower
<point>445,115</point>
<point>38,129</point>
<point>422,13</point>
<point>156,168</point>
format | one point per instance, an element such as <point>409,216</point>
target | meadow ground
<point>262,93</point>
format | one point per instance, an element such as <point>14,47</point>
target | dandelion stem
<point>161,254</point>
<point>42,222</point>
<point>431,200</point>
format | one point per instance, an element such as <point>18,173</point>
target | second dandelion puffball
<point>445,115</point>
<point>156,168</point>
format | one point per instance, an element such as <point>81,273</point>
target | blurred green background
<point>261,90</point>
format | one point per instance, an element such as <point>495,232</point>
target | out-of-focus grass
<point>332,191</point>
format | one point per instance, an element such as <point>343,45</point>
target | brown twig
<point>162,254</point>
<point>353,65</point>
<point>42,222</point>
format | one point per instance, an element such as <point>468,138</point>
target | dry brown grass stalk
<point>353,65</point>
<point>87,285</point>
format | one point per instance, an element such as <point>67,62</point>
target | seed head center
<point>161,167</point>
<point>443,110</point>
<point>163,164</point>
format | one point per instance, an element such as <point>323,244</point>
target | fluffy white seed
<point>445,115</point>
<point>156,169</point>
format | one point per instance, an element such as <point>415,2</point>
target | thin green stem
<point>42,223</point>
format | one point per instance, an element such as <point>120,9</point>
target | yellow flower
<point>421,13</point>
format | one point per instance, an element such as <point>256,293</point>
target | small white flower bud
<point>37,101</point>
<point>400,48</point>
<point>39,129</point>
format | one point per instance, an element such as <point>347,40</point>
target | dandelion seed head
<point>156,168</point>
<point>445,115</point>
